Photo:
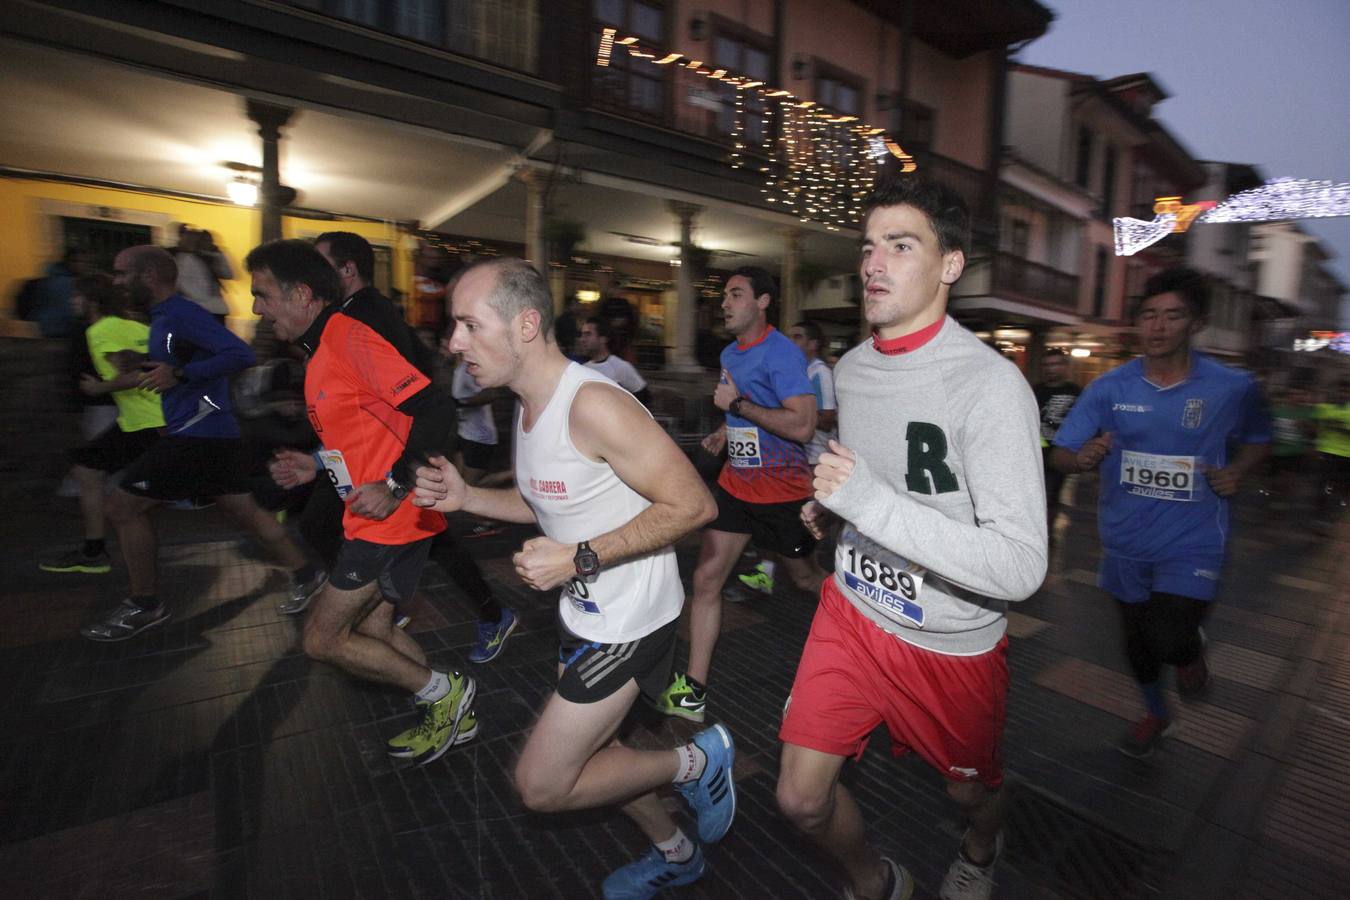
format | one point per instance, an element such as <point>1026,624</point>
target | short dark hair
<point>348,247</point>
<point>602,327</point>
<point>761,282</point>
<point>98,290</point>
<point>1185,282</point>
<point>813,331</point>
<point>295,262</point>
<point>946,210</point>
<point>519,287</point>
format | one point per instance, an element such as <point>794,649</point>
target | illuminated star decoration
<point>819,165</point>
<point>1277,200</point>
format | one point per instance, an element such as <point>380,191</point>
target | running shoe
<point>492,637</point>
<point>967,881</point>
<point>899,883</point>
<point>468,730</point>
<point>301,592</point>
<point>1193,679</point>
<point>440,725</point>
<point>651,874</point>
<point>125,621</point>
<point>76,561</point>
<point>684,700</point>
<point>712,795</point>
<point>401,619</point>
<point>758,580</point>
<point>1145,736</point>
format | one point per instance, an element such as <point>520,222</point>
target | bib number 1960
<point>1157,476</point>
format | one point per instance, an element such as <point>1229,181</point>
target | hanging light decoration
<point>818,165</point>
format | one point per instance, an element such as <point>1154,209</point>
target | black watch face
<point>588,562</point>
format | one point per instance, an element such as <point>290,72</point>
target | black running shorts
<point>115,449</point>
<point>395,567</point>
<point>772,526</point>
<point>181,468</point>
<point>592,671</point>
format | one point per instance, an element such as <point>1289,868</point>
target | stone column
<point>270,119</point>
<point>685,356</point>
<point>535,249</point>
<point>790,302</point>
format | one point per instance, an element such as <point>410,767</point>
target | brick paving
<point>210,758</point>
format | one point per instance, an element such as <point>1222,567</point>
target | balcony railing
<point>1034,282</point>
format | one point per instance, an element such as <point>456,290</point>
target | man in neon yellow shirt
<point>1333,452</point>
<point>113,338</point>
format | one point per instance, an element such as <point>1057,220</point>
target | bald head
<point>147,272</point>
<point>513,286</point>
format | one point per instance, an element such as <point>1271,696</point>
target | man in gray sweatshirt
<point>937,476</point>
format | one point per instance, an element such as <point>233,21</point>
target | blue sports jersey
<point>1155,503</point>
<point>762,467</point>
<point>187,336</point>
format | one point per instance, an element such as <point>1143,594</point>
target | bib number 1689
<point>879,573</point>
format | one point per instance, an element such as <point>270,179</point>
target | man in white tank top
<point>611,493</point>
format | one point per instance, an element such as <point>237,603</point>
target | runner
<point>611,493</point>
<point>1158,430</point>
<point>377,417</point>
<point>200,455</point>
<point>937,476</point>
<point>771,412</point>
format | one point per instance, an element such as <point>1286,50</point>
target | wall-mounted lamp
<point>698,28</point>
<point>1080,352</point>
<point>242,191</point>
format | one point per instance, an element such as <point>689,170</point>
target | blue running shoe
<point>492,637</point>
<point>712,795</point>
<point>645,877</point>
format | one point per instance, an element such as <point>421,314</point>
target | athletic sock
<point>692,763</point>
<point>436,687</point>
<point>145,602</point>
<point>1154,700</point>
<point>677,849</point>
<point>93,546</point>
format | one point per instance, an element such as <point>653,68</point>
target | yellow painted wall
<point>27,208</point>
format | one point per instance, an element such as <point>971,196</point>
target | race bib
<point>336,467</point>
<point>884,579</point>
<point>743,447</point>
<point>1157,476</point>
<point>578,593</point>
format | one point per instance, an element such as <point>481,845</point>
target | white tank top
<point>577,499</point>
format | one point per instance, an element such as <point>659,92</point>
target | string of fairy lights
<point>816,164</point>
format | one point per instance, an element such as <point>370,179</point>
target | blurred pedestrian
<point>1055,396</point>
<point>1333,453</point>
<point>202,266</point>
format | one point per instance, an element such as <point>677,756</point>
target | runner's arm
<point>795,420</point>
<point>608,424</point>
<point>440,487</point>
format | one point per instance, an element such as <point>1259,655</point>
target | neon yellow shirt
<point>136,409</point>
<point>1333,429</point>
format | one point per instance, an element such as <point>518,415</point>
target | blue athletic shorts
<point>1132,580</point>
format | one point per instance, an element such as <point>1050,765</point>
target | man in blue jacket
<point>200,454</point>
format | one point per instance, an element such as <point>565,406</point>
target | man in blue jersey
<point>200,454</point>
<point>1158,430</point>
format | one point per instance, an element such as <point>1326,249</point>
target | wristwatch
<point>587,562</point>
<point>178,374</point>
<point>396,490</point>
<point>734,407</point>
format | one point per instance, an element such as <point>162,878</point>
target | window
<point>840,96</point>
<point>740,54</point>
<point>1021,238</point>
<point>421,20</point>
<point>1083,174</point>
<point>1099,284</point>
<point>1108,183</point>
<point>102,239</point>
<point>629,84</point>
<point>915,126</point>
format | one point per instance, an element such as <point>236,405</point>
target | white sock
<point>436,688</point>
<point>767,567</point>
<point>692,763</point>
<point>678,848</point>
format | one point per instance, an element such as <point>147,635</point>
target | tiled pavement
<point>209,758</point>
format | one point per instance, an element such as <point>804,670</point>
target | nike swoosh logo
<point>687,701</point>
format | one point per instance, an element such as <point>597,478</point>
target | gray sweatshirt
<point>945,509</point>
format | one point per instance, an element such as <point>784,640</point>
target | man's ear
<point>763,301</point>
<point>953,264</point>
<point>529,324</point>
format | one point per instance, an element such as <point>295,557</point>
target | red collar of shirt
<point>758,340</point>
<point>907,343</point>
